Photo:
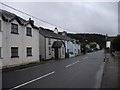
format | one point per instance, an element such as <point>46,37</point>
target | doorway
<point>56,53</point>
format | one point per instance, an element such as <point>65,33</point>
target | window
<point>0,52</point>
<point>14,28</point>
<point>49,41</point>
<point>49,51</point>
<point>28,31</point>
<point>29,51</point>
<point>14,52</point>
<point>0,25</point>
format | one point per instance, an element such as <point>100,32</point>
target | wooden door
<point>56,53</point>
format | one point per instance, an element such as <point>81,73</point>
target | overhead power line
<point>32,16</point>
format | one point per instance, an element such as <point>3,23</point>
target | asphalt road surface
<point>83,71</point>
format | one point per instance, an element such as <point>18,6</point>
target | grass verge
<point>117,58</point>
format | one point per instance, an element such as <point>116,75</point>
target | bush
<point>115,44</point>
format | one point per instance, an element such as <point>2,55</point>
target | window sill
<point>28,35</point>
<point>14,56</point>
<point>29,56</point>
<point>14,33</point>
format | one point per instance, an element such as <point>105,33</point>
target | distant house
<point>98,46</point>
<point>76,48</point>
<point>72,45</point>
<point>108,42</point>
<point>19,40</point>
<point>51,45</point>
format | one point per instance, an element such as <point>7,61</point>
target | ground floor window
<point>14,52</point>
<point>29,51</point>
<point>49,50</point>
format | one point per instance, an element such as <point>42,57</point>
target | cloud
<point>76,17</point>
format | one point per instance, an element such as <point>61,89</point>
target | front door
<point>56,53</point>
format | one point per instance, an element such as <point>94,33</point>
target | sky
<point>73,17</point>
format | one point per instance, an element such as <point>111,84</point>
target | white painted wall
<point>62,52</point>
<point>108,44</point>
<point>1,45</point>
<point>52,55</point>
<point>21,41</point>
<point>31,41</point>
<point>97,46</point>
<point>42,46</point>
<point>11,40</point>
<point>47,48</point>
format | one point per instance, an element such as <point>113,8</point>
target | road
<point>83,71</point>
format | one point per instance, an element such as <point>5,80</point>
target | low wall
<point>117,53</point>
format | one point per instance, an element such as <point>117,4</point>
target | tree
<point>92,45</point>
<point>115,43</point>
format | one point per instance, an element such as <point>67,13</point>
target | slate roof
<point>8,16</point>
<point>50,34</point>
<point>57,44</point>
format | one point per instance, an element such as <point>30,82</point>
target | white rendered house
<point>20,40</point>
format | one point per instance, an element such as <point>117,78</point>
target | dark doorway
<point>56,53</point>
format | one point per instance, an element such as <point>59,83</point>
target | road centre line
<point>72,64</point>
<point>85,58</point>
<point>32,80</point>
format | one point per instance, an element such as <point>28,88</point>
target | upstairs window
<point>14,52</point>
<point>14,28</point>
<point>49,41</point>
<point>29,51</point>
<point>29,31</point>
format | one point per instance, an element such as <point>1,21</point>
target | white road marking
<point>32,80</point>
<point>72,64</point>
<point>85,58</point>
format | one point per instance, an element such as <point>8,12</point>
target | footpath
<point>111,73</point>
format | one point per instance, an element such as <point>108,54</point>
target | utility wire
<point>32,16</point>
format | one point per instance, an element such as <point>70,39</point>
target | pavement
<point>110,74</point>
<point>79,72</point>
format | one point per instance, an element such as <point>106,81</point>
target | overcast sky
<point>75,17</point>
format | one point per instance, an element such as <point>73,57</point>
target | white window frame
<point>14,55</point>
<point>14,30</point>
<point>27,54</point>
<point>27,31</point>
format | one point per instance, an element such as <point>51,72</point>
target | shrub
<point>115,44</point>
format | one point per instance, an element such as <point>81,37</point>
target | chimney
<point>64,33</point>
<point>31,21</point>
<point>56,30</point>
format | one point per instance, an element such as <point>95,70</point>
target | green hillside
<point>98,38</point>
